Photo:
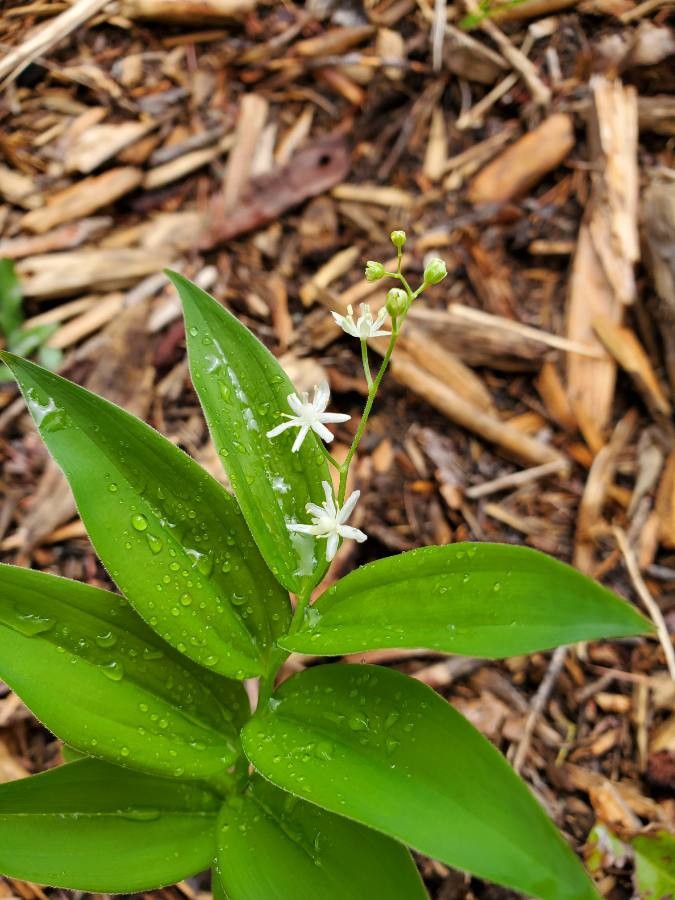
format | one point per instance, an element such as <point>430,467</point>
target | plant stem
<point>331,459</point>
<point>372,392</point>
<point>278,656</point>
<point>300,607</point>
<point>373,385</point>
<point>405,284</point>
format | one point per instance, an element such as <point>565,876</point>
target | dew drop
<point>358,722</point>
<point>324,750</point>
<point>31,624</point>
<point>113,671</point>
<point>145,814</point>
<point>106,639</point>
<point>154,542</point>
<point>139,522</point>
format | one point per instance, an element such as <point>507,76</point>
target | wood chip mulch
<point>267,150</point>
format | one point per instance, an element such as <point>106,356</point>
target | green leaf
<point>243,391</point>
<point>490,600</point>
<point>271,844</point>
<point>11,311</point>
<point>90,826</point>
<point>89,667</point>
<point>69,754</point>
<point>654,865</point>
<point>25,341</point>
<point>605,850</point>
<point>170,535</point>
<point>385,750</point>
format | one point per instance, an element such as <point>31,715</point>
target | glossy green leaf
<point>490,600</point>
<point>385,750</point>
<point>70,754</point>
<point>90,826</point>
<point>271,844</point>
<point>243,391</point>
<point>654,865</point>
<point>170,535</point>
<point>89,667</point>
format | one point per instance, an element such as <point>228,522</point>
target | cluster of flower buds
<point>434,271</point>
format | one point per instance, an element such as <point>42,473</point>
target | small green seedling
<point>321,790</point>
<point>18,339</point>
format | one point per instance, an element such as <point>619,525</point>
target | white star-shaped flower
<point>329,521</point>
<point>365,326</point>
<point>309,415</point>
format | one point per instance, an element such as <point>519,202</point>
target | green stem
<point>266,683</point>
<point>331,459</point>
<point>278,656</point>
<point>344,468</point>
<point>405,284</point>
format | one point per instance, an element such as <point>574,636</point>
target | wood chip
<point>83,198</point>
<point>373,193</point>
<point>250,125</point>
<point>186,12</point>
<point>624,346</point>
<point>99,143</point>
<point>596,492</point>
<point>607,248</point>
<point>18,189</point>
<point>665,504</point>
<point>179,167</point>
<point>524,163</point>
<point>62,274</point>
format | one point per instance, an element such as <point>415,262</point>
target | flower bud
<point>435,271</point>
<point>374,270</point>
<point>397,303</point>
<point>398,239</point>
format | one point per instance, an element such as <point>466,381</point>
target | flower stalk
<point>328,520</point>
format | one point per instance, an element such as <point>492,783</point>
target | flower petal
<point>353,534</point>
<point>321,397</point>
<point>332,545</point>
<point>302,529</point>
<point>348,508</point>
<point>329,505</point>
<point>314,510</point>
<point>295,403</point>
<point>322,431</point>
<point>302,434</point>
<point>273,432</point>
<point>333,417</point>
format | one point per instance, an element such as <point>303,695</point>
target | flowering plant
<point>321,789</point>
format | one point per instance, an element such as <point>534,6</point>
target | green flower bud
<point>435,271</point>
<point>398,239</point>
<point>397,303</point>
<point>374,270</point>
